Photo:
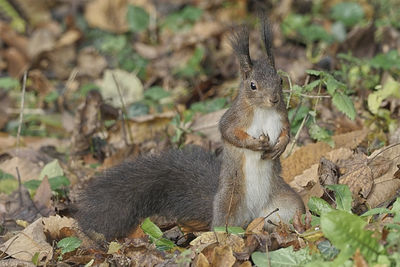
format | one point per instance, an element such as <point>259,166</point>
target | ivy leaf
<point>346,232</point>
<point>343,196</point>
<point>137,18</point>
<point>69,244</point>
<point>344,104</point>
<point>283,257</point>
<point>319,206</point>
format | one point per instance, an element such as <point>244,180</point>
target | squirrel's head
<point>260,85</point>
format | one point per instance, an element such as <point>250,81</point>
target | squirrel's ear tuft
<point>240,44</point>
<point>266,36</point>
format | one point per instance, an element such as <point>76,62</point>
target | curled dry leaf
<point>28,242</point>
<point>201,261</point>
<point>42,198</point>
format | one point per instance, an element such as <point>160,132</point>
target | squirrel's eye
<point>253,86</point>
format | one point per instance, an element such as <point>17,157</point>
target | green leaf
<point>51,169</point>
<point>283,257</point>
<point>69,244</point>
<point>59,182</point>
<point>319,206</point>
<point>35,259</point>
<point>332,85</point>
<point>4,175</point>
<point>327,249</point>
<point>137,109</point>
<point>346,232</point>
<point>156,93</point>
<point>137,18</point>
<point>390,88</point>
<point>386,61</point>
<point>376,211</point>
<point>32,184</point>
<point>309,87</point>
<point>344,104</point>
<point>396,210</point>
<point>231,229</point>
<point>343,196</point>
<point>7,186</point>
<point>349,13</point>
<point>315,72</point>
<point>8,83</point>
<point>208,106</point>
<point>155,235</point>
<point>182,20</point>
<point>321,134</point>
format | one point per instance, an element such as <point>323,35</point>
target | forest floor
<point>84,85</point>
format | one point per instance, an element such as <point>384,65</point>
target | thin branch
<point>21,114</point>
<point>308,96</point>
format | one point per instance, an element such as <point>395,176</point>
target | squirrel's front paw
<point>275,152</point>
<point>260,144</point>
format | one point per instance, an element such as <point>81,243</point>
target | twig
<point>124,112</point>
<point>383,150</point>
<point>21,117</point>
<point>298,133</point>
<point>309,96</point>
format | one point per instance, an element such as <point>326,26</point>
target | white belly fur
<point>257,171</point>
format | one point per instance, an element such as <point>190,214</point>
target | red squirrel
<point>195,187</point>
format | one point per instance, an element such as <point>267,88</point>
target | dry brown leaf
<point>43,39</point>
<point>68,38</point>
<point>109,15</point>
<point>52,225</point>
<point>256,226</point>
<point>17,62</point>
<point>28,242</point>
<point>43,196</point>
<point>209,238</point>
<point>208,125</point>
<point>201,261</point>
<point>27,169</point>
<point>328,172</point>
<point>90,63</point>
<point>310,154</point>
<point>246,264</point>
<point>222,257</point>
<point>359,260</point>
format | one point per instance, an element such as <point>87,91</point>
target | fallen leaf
<point>28,242</point>
<point>115,81</point>
<point>42,198</point>
<point>222,257</point>
<point>109,15</point>
<point>310,154</point>
<point>201,261</point>
<point>90,63</point>
<point>223,239</point>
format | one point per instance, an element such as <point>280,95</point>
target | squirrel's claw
<point>274,153</point>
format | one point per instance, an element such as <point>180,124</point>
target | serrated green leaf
<point>319,206</point>
<point>346,232</point>
<point>332,85</point>
<point>390,88</point>
<point>137,18</point>
<point>231,229</point>
<point>51,169</point>
<point>283,257</point>
<point>344,104</point>
<point>69,244</point>
<point>343,196</point>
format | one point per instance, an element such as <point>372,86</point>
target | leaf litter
<point>95,64</point>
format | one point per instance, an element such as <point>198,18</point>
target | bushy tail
<point>179,184</point>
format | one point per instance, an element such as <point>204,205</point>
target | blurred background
<point>152,68</point>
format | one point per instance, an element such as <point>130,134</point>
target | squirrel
<point>197,188</point>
